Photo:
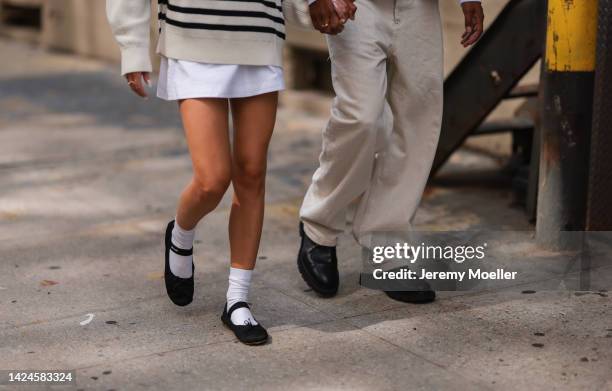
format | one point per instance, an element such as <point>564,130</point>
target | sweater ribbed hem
<point>232,50</point>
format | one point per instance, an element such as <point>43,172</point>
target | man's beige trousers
<point>380,141</point>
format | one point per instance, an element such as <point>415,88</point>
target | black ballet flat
<point>248,334</point>
<point>180,290</point>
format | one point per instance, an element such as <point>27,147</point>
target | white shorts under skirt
<point>180,79</point>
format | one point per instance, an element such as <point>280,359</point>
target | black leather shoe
<point>248,334</point>
<point>420,293</point>
<point>318,266</point>
<point>416,297</point>
<point>180,290</point>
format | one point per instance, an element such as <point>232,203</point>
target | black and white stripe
<point>191,17</point>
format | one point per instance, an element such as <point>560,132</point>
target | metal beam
<point>509,48</point>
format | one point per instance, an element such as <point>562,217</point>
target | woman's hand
<point>137,80</point>
<point>345,9</point>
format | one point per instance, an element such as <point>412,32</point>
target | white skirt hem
<point>180,79</point>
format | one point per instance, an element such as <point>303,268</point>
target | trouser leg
<point>358,56</point>
<point>415,98</point>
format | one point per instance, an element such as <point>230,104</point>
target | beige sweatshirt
<point>244,32</point>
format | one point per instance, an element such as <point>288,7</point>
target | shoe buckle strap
<point>180,251</point>
<point>240,304</point>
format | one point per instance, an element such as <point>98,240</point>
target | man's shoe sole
<point>312,284</point>
<point>414,297</point>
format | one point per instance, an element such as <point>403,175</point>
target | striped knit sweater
<point>243,32</point>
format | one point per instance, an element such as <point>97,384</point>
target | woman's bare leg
<point>206,129</point>
<point>254,119</point>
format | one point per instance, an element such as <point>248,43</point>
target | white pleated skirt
<point>181,79</point>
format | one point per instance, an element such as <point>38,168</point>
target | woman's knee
<point>249,175</point>
<point>212,187</point>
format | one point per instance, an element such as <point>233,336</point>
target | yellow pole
<point>567,109</point>
<point>571,38</point>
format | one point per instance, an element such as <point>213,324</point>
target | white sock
<point>181,266</point>
<point>238,290</point>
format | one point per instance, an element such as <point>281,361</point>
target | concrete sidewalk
<point>89,176</point>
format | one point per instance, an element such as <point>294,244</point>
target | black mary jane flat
<point>248,334</point>
<point>180,290</point>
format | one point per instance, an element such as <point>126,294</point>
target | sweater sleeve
<point>130,22</point>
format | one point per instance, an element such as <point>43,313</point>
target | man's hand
<point>329,16</point>
<point>474,19</point>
